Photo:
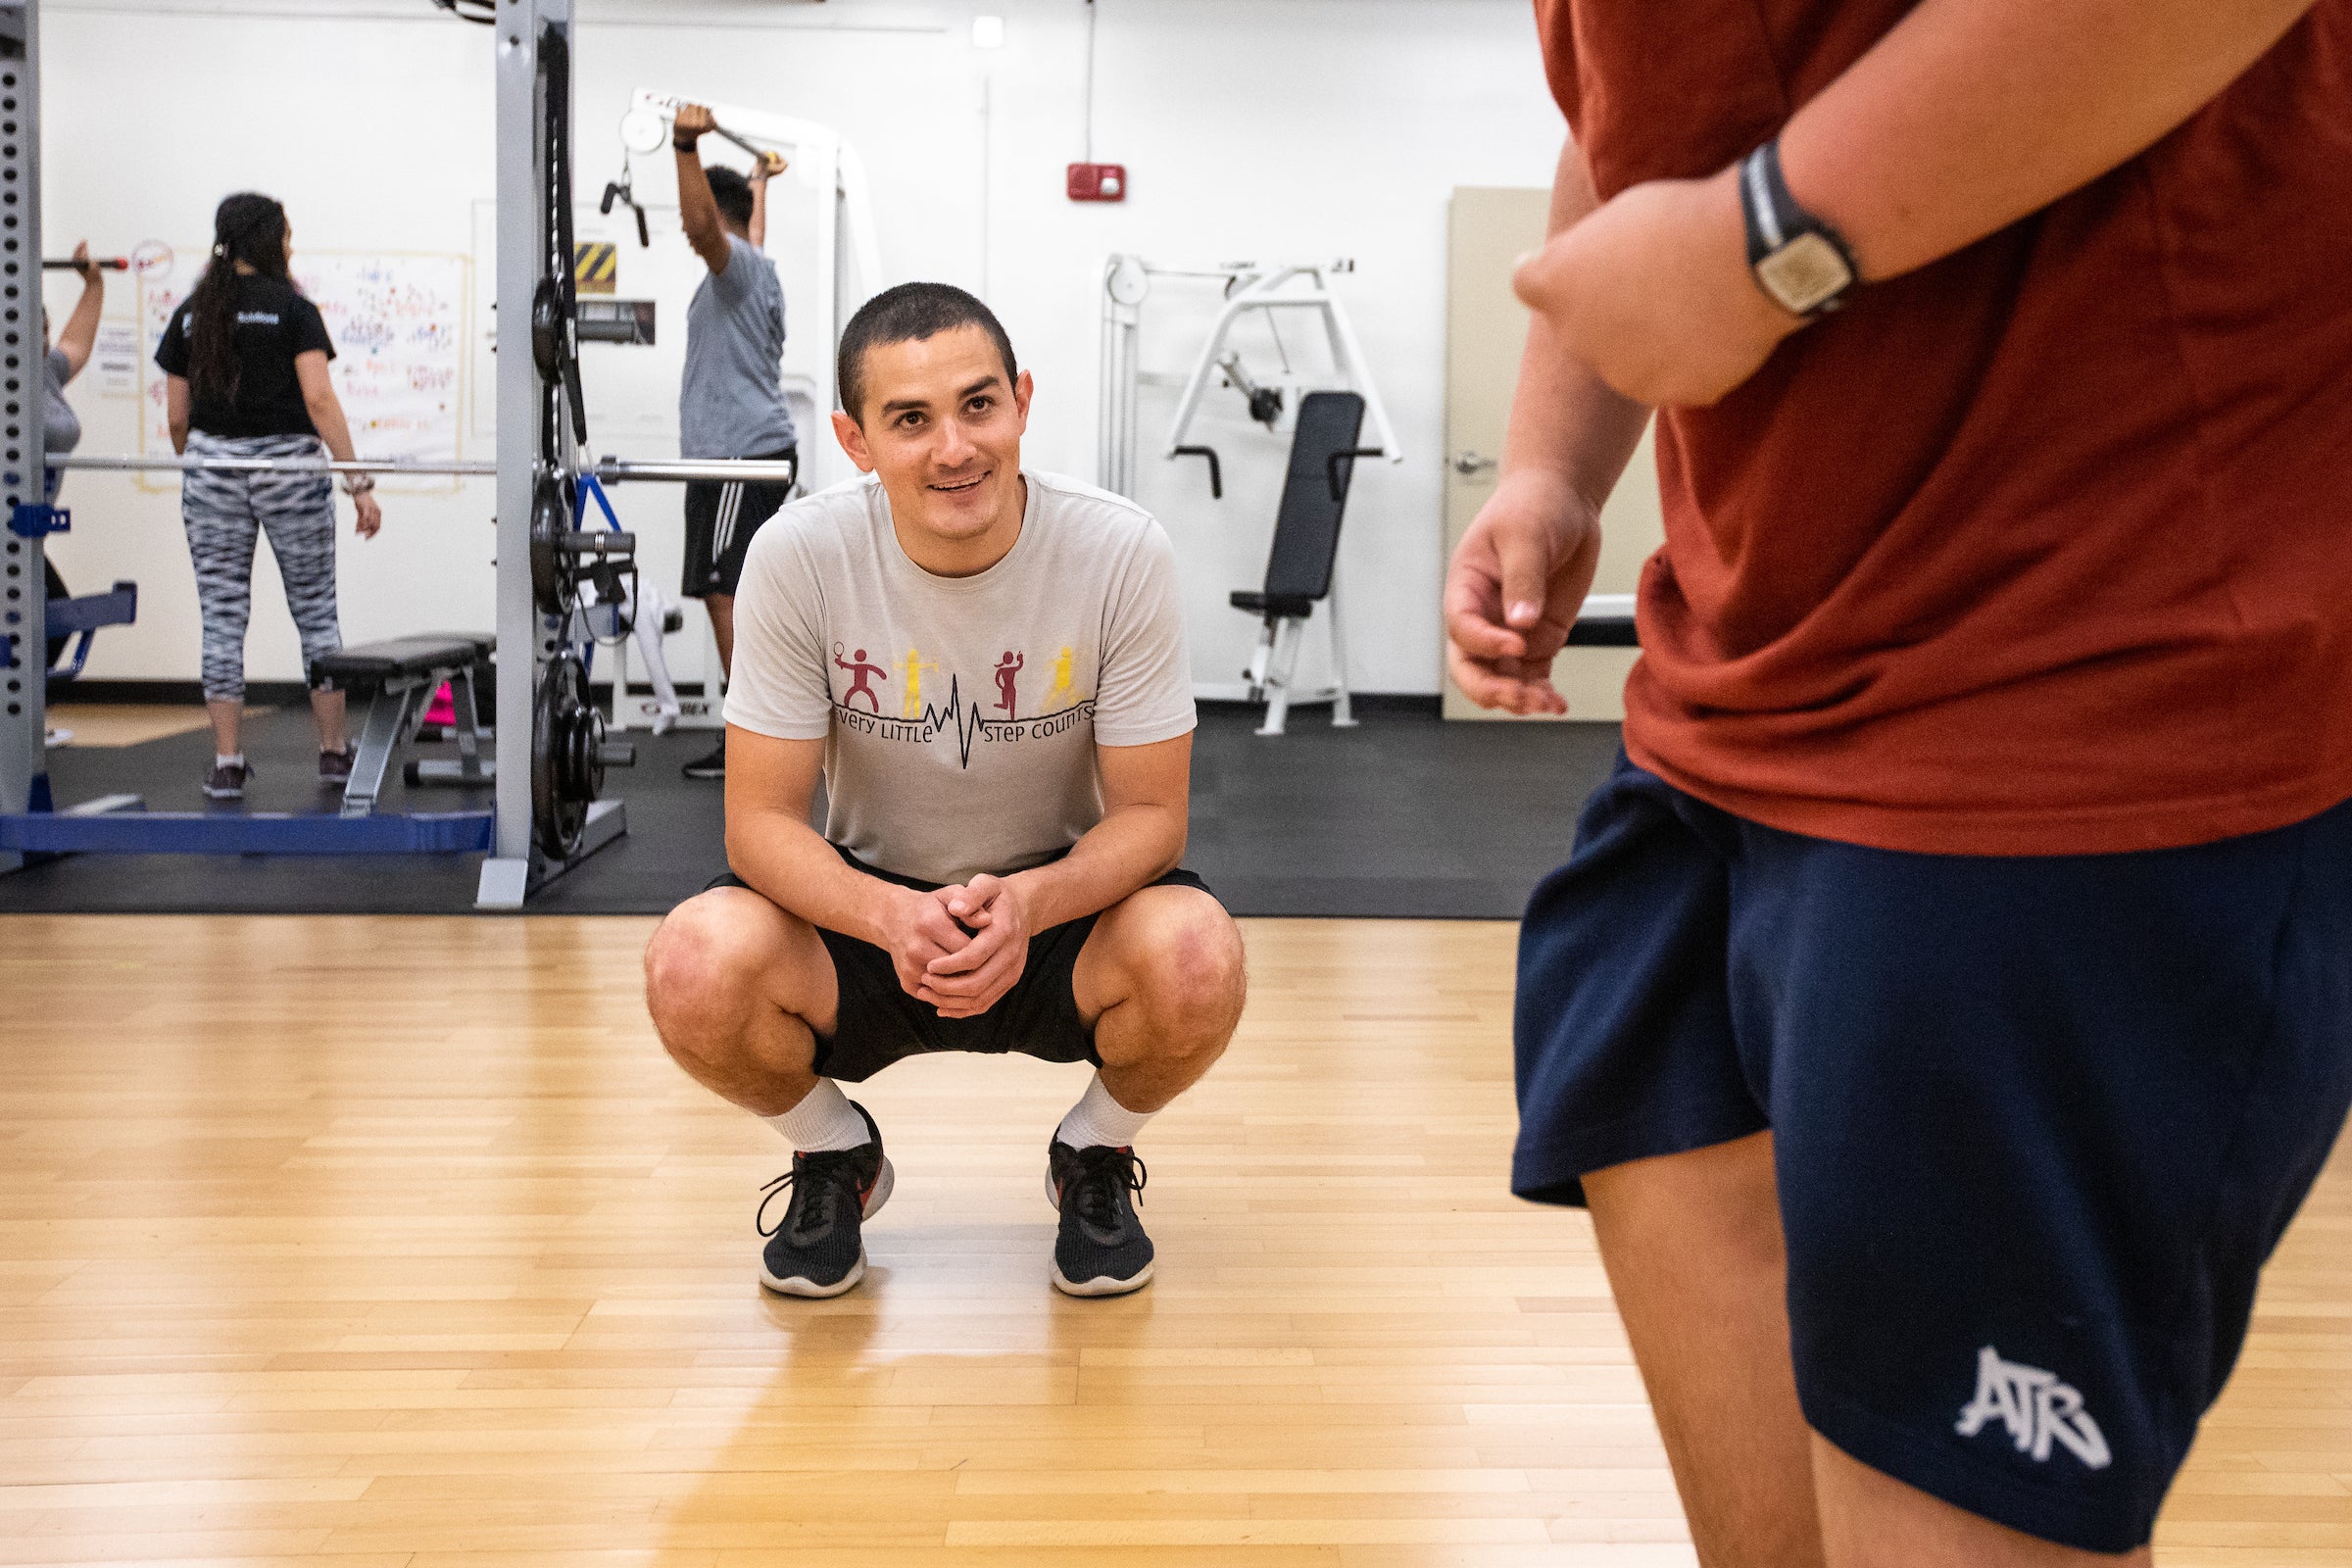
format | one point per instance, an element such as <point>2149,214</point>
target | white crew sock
<point>232,759</point>
<point>823,1120</point>
<point>1098,1118</point>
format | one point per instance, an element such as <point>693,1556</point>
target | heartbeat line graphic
<point>966,725</point>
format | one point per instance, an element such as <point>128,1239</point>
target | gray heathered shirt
<point>731,401</point>
<point>960,714</point>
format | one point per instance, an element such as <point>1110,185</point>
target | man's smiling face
<point>943,426</point>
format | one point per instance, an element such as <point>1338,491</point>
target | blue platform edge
<point>237,833</point>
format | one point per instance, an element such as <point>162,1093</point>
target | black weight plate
<point>557,813</point>
<point>554,582</point>
<point>547,328</point>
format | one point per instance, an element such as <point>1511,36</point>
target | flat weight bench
<point>398,678</point>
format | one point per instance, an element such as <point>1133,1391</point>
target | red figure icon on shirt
<point>1006,669</point>
<point>866,675</point>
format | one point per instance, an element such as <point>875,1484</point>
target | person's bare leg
<point>739,991</point>
<point>1870,1520</point>
<point>1160,980</point>
<point>1694,1250</point>
<point>722,610</point>
<point>228,724</point>
<point>327,713</point>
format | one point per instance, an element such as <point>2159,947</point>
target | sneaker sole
<point>211,794</point>
<point>808,1289</point>
<point>1101,1283</point>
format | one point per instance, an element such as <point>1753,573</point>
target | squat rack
<point>542,467</point>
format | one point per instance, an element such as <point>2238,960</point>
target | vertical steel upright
<point>523,250</point>
<point>24,517</point>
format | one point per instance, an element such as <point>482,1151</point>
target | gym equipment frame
<point>551,752</point>
<point>1249,287</point>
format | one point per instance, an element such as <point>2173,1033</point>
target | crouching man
<point>988,668</point>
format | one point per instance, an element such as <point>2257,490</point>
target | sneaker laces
<point>824,1178</point>
<point>1104,1172</point>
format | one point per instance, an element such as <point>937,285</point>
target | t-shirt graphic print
<point>960,714</point>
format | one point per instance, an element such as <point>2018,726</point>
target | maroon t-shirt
<point>2044,548</point>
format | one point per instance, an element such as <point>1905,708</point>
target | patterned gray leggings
<point>223,514</point>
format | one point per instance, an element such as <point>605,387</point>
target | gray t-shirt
<point>960,714</point>
<point>731,399</point>
<point>63,427</point>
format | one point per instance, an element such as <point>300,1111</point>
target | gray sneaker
<point>334,767</point>
<point>227,781</point>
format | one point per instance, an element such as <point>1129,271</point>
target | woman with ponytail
<point>245,359</point>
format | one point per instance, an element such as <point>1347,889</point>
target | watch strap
<point>1774,218</point>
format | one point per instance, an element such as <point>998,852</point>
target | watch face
<point>1804,273</point>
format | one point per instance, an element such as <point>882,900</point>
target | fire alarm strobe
<point>1098,183</point>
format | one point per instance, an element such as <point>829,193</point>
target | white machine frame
<point>1249,286</point>
<point>848,258</point>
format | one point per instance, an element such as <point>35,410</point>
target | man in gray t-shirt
<point>987,666</point>
<point>731,399</point>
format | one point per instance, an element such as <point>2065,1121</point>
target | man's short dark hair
<point>732,192</point>
<point>910,313</point>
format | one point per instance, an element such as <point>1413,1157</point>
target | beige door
<point>1486,328</point>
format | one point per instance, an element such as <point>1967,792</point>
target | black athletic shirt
<point>275,324</point>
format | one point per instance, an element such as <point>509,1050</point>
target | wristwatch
<point>1798,259</point>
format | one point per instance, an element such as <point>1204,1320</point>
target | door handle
<point>1469,465</point>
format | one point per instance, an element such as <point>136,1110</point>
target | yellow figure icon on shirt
<point>912,667</point>
<point>1059,694</point>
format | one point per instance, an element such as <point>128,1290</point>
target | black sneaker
<point>227,781</point>
<point>334,767</point>
<point>816,1249</point>
<point>1102,1250</point>
<point>714,766</point>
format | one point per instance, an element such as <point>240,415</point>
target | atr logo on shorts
<point>2036,1408</point>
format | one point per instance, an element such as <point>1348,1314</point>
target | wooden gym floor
<point>397,1243</point>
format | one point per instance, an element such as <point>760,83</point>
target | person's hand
<point>917,929</point>
<point>87,269</point>
<point>1517,581</point>
<point>967,983</point>
<point>693,123</point>
<point>1653,290</point>
<point>770,165</point>
<point>371,515</point>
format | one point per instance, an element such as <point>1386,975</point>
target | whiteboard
<point>399,321</point>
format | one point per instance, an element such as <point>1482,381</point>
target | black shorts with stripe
<point>720,520</point>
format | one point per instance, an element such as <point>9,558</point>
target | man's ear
<point>853,441</point>
<point>1024,387</point>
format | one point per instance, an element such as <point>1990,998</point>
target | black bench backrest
<point>1315,495</point>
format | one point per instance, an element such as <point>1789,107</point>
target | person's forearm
<point>79,335</point>
<point>179,437</point>
<point>1565,420</point>
<point>698,208</point>
<point>793,867</point>
<point>326,417</point>
<point>758,225</point>
<point>1125,851</point>
<point>1972,113</point>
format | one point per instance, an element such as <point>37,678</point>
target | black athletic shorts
<point>2036,1120</point>
<point>879,1023</point>
<point>720,520</point>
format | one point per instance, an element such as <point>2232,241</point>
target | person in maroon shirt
<point>1949,998</point>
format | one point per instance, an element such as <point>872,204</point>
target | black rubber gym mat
<point>1403,817</point>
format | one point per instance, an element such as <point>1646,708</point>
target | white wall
<point>1305,128</point>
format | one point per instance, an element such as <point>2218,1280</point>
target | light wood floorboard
<point>398,1244</point>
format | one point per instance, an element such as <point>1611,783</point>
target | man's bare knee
<point>1185,965</point>
<point>714,959</point>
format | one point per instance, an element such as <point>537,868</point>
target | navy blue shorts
<point>2037,1121</point>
